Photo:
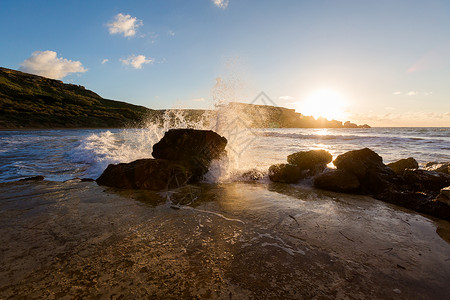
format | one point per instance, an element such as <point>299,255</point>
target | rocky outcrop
<point>400,166</point>
<point>181,156</point>
<point>195,148</point>
<point>412,188</point>
<point>314,161</point>
<point>286,173</point>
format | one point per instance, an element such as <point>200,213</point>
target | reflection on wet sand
<point>236,240</point>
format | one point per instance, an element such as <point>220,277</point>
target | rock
<point>34,178</point>
<point>337,181</point>
<point>252,175</point>
<point>374,176</point>
<point>358,162</point>
<point>400,166</point>
<point>444,196</point>
<point>314,160</point>
<point>438,167</point>
<point>150,174</point>
<point>87,179</point>
<point>195,147</point>
<point>286,173</point>
<point>426,181</point>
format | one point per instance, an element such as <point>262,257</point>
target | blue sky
<point>387,63</point>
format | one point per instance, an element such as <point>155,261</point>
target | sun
<point>326,103</point>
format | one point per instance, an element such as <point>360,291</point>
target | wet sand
<point>237,240</point>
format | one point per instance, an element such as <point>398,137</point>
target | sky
<point>385,63</point>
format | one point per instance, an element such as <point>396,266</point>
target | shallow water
<point>235,240</point>
<point>64,154</point>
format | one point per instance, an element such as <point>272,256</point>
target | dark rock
<point>438,167</point>
<point>34,178</point>
<point>374,176</point>
<point>314,160</point>
<point>150,174</point>
<point>426,181</point>
<point>358,162</point>
<point>87,179</point>
<point>420,202</point>
<point>444,196</point>
<point>286,173</point>
<point>193,147</point>
<point>400,166</point>
<point>337,181</point>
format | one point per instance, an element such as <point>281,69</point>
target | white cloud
<point>223,4</point>
<point>48,64</point>
<point>286,98</point>
<point>171,32</point>
<point>412,93</point>
<point>136,61</point>
<point>105,61</point>
<point>124,24</point>
<point>199,99</point>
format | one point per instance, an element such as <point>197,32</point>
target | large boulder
<point>149,174</point>
<point>358,162</point>
<point>197,148</point>
<point>337,180</point>
<point>314,160</point>
<point>374,176</point>
<point>400,166</point>
<point>286,173</point>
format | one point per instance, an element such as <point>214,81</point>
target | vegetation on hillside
<point>30,101</point>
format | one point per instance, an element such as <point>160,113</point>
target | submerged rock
<point>252,175</point>
<point>400,166</point>
<point>314,160</point>
<point>150,174</point>
<point>337,180</point>
<point>196,148</point>
<point>34,178</point>
<point>286,173</point>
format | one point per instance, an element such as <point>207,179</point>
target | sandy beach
<point>65,240</point>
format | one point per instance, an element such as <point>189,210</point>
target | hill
<point>31,101</point>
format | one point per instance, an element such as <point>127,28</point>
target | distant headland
<point>34,102</point>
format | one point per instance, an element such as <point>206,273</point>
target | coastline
<point>77,239</point>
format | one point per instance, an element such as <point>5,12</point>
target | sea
<point>60,155</point>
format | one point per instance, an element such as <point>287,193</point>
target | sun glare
<point>324,103</point>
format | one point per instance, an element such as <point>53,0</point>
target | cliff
<point>280,117</point>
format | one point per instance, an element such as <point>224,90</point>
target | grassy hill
<point>30,101</point>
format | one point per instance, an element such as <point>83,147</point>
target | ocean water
<point>65,154</point>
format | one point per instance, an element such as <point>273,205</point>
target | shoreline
<point>77,239</point>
